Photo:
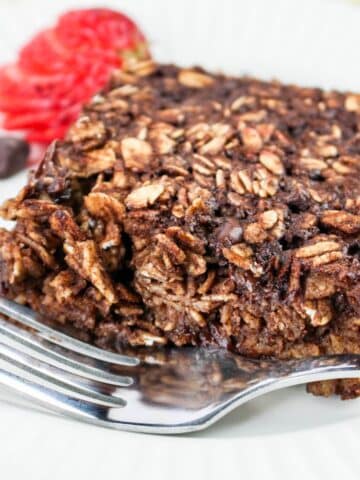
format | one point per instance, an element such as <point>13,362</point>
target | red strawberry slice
<point>43,118</point>
<point>62,67</point>
<point>16,105</point>
<point>101,28</point>
<point>46,135</point>
<point>14,81</point>
<point>44,54</point>
<point>28,119</point>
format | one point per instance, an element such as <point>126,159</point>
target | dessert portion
<point>188,208</point>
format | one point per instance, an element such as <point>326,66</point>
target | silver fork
<point>156,391</point>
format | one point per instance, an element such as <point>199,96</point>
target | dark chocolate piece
<point>13,155</point>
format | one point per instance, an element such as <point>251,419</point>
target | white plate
<point>288,434</point>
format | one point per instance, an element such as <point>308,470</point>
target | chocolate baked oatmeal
<point>195,209</point>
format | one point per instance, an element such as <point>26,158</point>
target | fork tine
<point>38,348</point>
<point>27,317</point>
<point>38,370</point>
<point>46,397</point>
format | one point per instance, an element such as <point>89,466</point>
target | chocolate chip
<point>13,155</point>
<point>230,230</point>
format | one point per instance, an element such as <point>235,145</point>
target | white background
<point>287,435</point>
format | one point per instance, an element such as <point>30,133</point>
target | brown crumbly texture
<point>190,208</point>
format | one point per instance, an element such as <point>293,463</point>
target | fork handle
<point>327,367</point>
<point>283,374</point>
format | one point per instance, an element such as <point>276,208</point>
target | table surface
<point>287,434</point>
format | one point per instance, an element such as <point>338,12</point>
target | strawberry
<point>43,54</point>
<point>62,67</point>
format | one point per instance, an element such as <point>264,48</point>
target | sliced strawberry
<point>61,68</point>
<point>39,119</point>
<point>15,105</point>
<point>16,82</point>
<point>99,27</point>
<point>44,54</point>
<point>47,135</point>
